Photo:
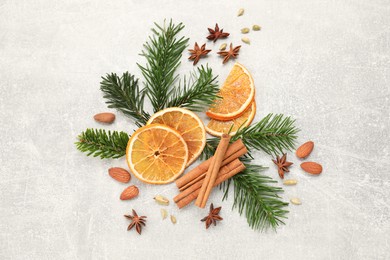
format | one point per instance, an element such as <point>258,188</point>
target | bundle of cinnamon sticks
<point>198,183</point>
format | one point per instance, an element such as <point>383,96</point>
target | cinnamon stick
<point>202,174</point>
<point>221,178</point>
<point>212,173</point>
<point>235,150</point>
<point>222,171</point>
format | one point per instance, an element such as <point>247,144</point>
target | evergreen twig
<point>273,134</point>
<point>97,142</point>
<point>197,93</point>
<point>123,93</point>
<point>162,52</point>
<point>255,196</point>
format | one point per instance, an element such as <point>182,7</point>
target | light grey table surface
<point>325,63</point>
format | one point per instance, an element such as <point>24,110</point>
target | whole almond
<point>129,193</point>
<point>106,118</point>
<point>312,167</point>
<point>119,174</point>
<point>304,150</point>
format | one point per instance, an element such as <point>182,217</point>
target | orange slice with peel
<point>156,154</point>
<point>217,128</point>
<point>188,124</point>
<point>237,94</point>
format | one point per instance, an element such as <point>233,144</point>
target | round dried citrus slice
<point>156,154</point>
<point>188,124</point>
<point>217,128</point>
<point>237,94</point>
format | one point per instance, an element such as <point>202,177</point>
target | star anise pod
<point>232,53</point>
<point>282,165</point>
<point>197,52</point>
<point>216,33</point>
<point>136,221</point>
<point>212,217</point>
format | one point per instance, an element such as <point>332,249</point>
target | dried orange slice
<point>237,94</point>
<point>188,124</point>
<point>217,128</point>
<point>156,154</point>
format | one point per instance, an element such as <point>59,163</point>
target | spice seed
<point>256,27</point>
<point>173,219</point>
<point>222,47</point>
<point>240,12</point>
<point>290,182</point>
<point>246,40</point>
<point>245,30</point>
<point>164,213</point>
<point>296,201</point>
<point>161,200</point>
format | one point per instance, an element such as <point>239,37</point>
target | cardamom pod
<point>164,213</point>
<point>290,182</point>
<point>245,30</point>
<point>161,200</point>
<point>240,12</point>
<point>256,27</point>
<point>246,40</point>
<point>222,47</point>
<point>296,201</point>
<point>173,219</point>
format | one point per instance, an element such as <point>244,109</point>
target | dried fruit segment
<point>217,127</point>
<point>156,154</point>
<point>188,124</point>
<point>237,94</point>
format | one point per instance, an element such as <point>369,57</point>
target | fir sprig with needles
<point>98,142</point>
<point>162,52</point>
<point>123,93</point>
<point>257,198</point>
<point>273,135</point>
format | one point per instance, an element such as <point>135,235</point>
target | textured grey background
<point>326,63</point>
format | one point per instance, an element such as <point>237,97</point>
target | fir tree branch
<point>123,93</point>
<point>273,135</point>
<point>255,196</point>
<point>197,93</point>
<point>97,142</point>
<point>162,52</point>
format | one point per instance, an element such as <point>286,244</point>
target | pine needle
<point>163,52</point>
<point>123,93</point>
<point>97,142</point>
<point>273,134</point>
<point>257,198</point>
<point>196,93</point>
